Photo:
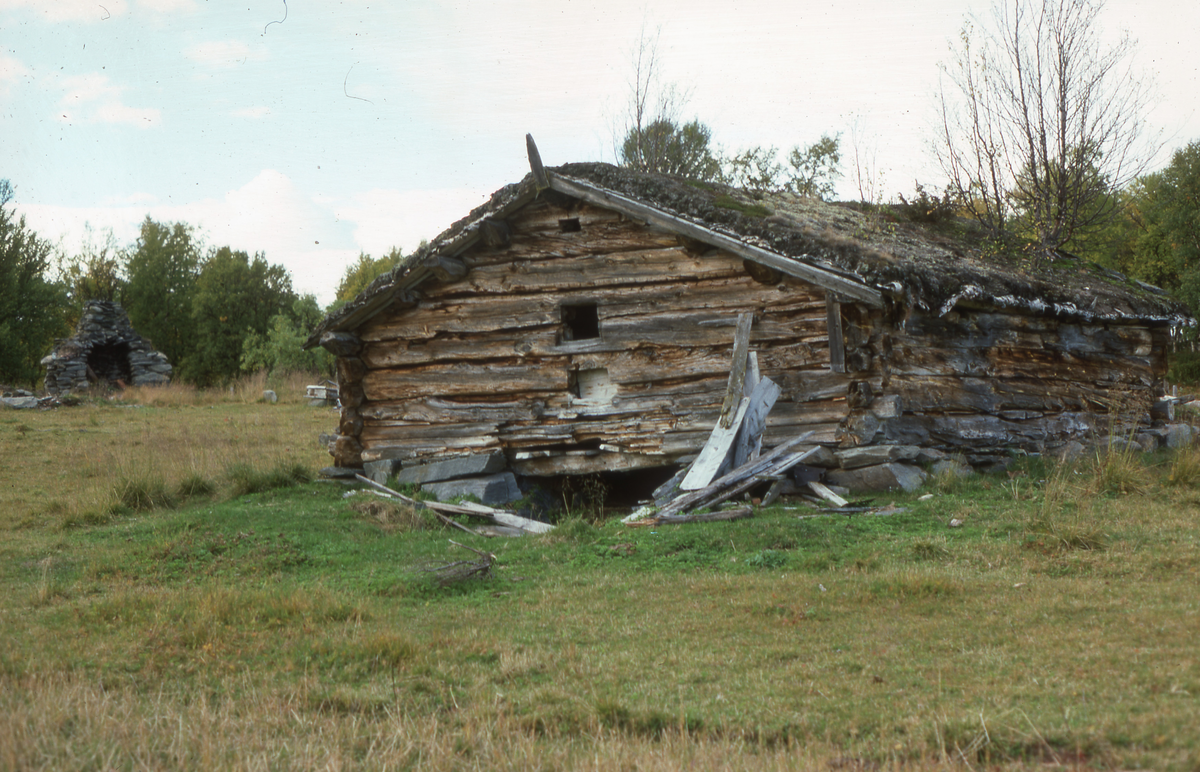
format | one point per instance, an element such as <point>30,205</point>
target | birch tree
<point>1040,120</point>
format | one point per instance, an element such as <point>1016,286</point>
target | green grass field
<point>176,593</point>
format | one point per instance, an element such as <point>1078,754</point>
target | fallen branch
<point>704,517</point>
<point>500,517</point>
<point>462,570</point>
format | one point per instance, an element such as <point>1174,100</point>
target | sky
<point>313,131</point>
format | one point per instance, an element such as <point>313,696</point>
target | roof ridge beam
<point>833,282</point>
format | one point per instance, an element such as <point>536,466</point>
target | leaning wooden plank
<point>827,494</point>
<point>747,470</point>
<point>524,523</point>
<point>777,489</point>
<point>715,451</point>
<point>452,523</point>
<point>706,517</point>
<point>737,368</point>
<point>749,438</point>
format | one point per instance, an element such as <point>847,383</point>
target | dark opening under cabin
<point>582,321</point>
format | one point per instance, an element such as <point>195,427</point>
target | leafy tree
<point>1037,111</point>
<point>814,169</point>
<point>234,297</point>
<point>663,147</point>
<point>755,169</point>
<point>360,274</point>
<point>31,305</point>
<point>810,171</point>
<point>161,273</point>
<point>95,273</point>
<point>280,348</point>
<point>1157,237</point>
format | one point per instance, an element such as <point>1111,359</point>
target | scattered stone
<point>494,490</point>
<point>19,403</point>
<point>1148,441</point>
<point>1163,410</point>
<point>453,468</point>
<point>925,497</point>
<point>952,466</point>
<point>104,348</point>
<point>380,471</point>
<point>956,523</point>
<point>1068,452</point>
<point>929,456</point>
<point>1179,436</point>
<point>1120,444</point>
<point>822,457</point>
<point>882,477</point>
<point>872,455</point>
<point>270,396</point>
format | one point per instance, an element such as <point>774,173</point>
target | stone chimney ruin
<point>104,349</point>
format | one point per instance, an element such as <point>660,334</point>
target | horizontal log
<point>989,330</point>
<point>576,465</point>
<point>994,395</point>
<point>633,266</point>
<point>456,379</point>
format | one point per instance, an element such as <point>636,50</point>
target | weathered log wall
<point>980,382</point>
<point>488,361</point>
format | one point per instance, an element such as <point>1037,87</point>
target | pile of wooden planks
<point>732,454</point>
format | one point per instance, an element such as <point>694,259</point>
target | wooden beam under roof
<point>821,277</point>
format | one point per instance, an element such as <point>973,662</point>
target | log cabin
<point>581,321</point>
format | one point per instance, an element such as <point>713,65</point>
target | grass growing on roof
<point>1055,626</point>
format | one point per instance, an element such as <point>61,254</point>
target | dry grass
<point>393,517</point>
<point>289,387</point>
<point>80,724</point>
<point>1055,628</point>
<point>79,464</point>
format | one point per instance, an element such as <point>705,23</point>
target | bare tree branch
<point>1040,123</point>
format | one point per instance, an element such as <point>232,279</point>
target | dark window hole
<point>581,322</point>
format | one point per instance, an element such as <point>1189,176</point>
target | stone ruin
<point>104,349</point>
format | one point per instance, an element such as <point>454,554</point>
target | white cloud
<point>93,98</point>
<point>70,10</point>
<point>11,72</point>
<point>224,54</point>
<point>252,112</point>
<point>402,218</point>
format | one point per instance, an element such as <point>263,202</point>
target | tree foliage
<point>161,272</point>
<point>361,273</point>
<point>235,296</point>
<point>280,348</point>
<point>663,147</point>
<point>1040,121</point>
<point>1156,238</point>
<point>31,304</point>
<point>95,273</point>
<point>810,171</point>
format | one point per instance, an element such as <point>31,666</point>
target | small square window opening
<point>580,322</point>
